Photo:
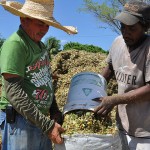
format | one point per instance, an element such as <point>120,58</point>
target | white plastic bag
<point>90,142</point>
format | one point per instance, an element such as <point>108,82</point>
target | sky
<point>66,12</point>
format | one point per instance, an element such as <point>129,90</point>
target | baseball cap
<point>133,12</point>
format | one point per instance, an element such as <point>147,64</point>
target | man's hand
<point>106,105</point>
<point>55,134</point>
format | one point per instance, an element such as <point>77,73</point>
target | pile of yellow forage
<point>85,122</point>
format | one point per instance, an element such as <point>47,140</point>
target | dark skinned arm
<point>138,95</point>
<point>108,102</point>
<point>108,72</point>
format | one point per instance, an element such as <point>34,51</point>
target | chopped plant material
<point>84,122</point>
<point>68,63</point>
<point>64,66</point>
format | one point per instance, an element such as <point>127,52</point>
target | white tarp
<point>90,142</point>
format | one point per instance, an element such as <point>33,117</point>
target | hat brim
<point>15,8</point>
<point>127,18</point>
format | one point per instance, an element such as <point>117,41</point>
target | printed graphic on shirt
<point>39,74</point>
<point>124,75</point>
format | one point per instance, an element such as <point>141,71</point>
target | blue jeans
<point>22,135</point>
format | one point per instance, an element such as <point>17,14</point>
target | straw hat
<point>38,9</point>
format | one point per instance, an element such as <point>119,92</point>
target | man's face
<point>36,29</point>
<point>132,34</point>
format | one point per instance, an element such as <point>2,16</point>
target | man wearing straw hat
<point>129,61</point>
<point>27,91</point>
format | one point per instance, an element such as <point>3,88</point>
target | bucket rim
<point>88,72</point>
<point>80,105</point>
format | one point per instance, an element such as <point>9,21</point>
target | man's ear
<point>21,19</point>
<point>24,21</point>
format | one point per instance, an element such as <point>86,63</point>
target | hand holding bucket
<point>105,106</point>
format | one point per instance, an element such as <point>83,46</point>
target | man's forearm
<point>137,95</point>
<point>24,106</point>
<point>108,72</point>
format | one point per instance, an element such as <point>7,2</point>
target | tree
<point>53,45</point>
<point>85,47</point>
<point>1,41</point>
<point>105,11</point>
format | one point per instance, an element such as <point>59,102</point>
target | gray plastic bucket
<point>84,87</point>
<point>90,142</point>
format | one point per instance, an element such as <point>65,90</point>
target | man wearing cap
<point>27,91</point>
<point>129,62</point>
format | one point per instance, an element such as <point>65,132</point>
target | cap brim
<point>127,18</point>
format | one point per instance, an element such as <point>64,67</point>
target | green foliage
<point>53,45</point>
<point>105,11</point>
<point>88,48</point>
<point>1,41</point>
